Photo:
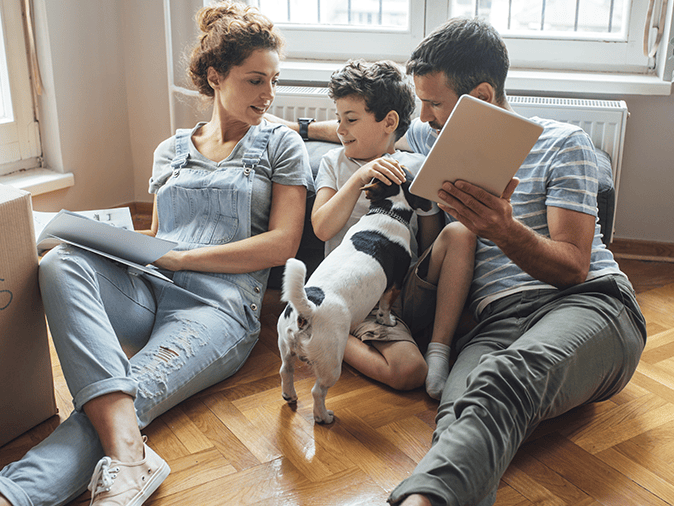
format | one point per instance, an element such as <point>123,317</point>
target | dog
<point>369,266</point>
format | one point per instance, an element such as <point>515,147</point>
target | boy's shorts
<point>418,301</point>
<point>370,330</point>
<point>416,304</point>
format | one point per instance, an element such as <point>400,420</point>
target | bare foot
<point>416,500</point>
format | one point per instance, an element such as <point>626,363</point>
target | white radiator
<point>603,120</point>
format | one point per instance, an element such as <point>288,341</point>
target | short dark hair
<point>381,84</point>
<point>469,51</point>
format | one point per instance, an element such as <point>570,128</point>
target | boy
<point>374,107</point>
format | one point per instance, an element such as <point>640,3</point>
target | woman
<point>231,192</point>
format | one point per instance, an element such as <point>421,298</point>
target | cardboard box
<point>26,382</point>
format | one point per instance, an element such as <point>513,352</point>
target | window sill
<point>39,181</point>
<point>317,73</point>
<point>586,83</point>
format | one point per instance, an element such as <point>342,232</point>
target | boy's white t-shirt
<point>336,169</point>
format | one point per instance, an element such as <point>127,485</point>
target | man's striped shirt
<point>560,171</point>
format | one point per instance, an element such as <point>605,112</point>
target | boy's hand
<point>387,170</point>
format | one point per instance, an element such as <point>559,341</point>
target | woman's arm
<point>155,221</point>
<point>269,249</point>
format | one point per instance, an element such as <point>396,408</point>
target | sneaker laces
<point>103,477</point>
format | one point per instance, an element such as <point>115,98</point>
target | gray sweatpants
<point>533,356</point>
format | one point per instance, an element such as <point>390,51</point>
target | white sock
<point>437,358</point>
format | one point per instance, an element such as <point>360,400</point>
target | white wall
<point>646,202</point>
<point>106,109</point>
<point>85,122</point>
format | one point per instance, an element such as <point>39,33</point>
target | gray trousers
<point>533,356</point>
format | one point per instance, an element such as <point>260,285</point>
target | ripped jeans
<point>179,343</point>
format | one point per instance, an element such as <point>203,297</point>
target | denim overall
<point>184,336</point>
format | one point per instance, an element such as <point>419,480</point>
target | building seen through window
<point>523,17</point>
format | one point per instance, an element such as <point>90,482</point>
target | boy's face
<point>362,136</point>
<point>437,99</point>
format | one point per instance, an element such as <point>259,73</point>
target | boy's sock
<point>437,358</point>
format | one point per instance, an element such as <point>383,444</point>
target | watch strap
<point>304,127</point>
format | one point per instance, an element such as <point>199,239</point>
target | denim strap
<point>182,148</point>
<point>255,152</point>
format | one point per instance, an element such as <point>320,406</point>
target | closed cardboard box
<point>26,382</point>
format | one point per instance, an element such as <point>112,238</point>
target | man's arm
<point>403,144</point>
<point>561,260</point>
<point>317,131</point>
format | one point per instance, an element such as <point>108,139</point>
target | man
<point>558,324</point>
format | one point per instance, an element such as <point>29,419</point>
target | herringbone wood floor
<point>239,443</point>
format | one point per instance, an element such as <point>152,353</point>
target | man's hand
<point>481,212</point>
<point>561,260</point>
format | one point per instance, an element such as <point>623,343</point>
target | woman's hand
<point>171,261</point>
<point>387,170</point>
<point>261,251</point>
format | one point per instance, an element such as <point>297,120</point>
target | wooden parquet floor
<point>239,443</point>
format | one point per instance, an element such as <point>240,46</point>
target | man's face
<point>437,100</point>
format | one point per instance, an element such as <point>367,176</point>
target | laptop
<point>480,143</point>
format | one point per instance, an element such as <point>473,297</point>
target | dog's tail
<point>293,287</point>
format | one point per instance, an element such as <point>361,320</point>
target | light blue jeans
<point>180,342</point>
<point>533,356</point>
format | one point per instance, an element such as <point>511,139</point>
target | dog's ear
<point>414,201</point>
<point>375,190</point>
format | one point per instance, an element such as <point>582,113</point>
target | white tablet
<point>480,143</point>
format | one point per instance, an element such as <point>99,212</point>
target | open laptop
<point>480,143</point>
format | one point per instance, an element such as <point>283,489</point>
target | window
<point>586,35</point>
<point>19,133</point>
<point>343,29</point>
<point>583,35</point>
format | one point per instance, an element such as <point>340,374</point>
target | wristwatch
<point>304,127</point>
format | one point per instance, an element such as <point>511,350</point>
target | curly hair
<point>381,84</point>
<point>469,51</point>
<point>230,33</point>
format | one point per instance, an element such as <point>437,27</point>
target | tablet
<point>480,143</point>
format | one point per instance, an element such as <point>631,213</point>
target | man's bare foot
<point>416,500</point>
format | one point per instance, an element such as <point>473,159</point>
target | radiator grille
<point>565,102</point>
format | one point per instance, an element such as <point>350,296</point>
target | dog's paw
<point>326,418</point>
<point>385,319</point>
<point>290,399</point>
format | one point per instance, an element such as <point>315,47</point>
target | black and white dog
<point>369,266</point>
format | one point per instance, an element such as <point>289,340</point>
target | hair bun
<point>209,16</point>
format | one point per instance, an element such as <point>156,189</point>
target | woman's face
<point>247,91</point>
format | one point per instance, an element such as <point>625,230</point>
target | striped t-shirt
<point>560,171</point>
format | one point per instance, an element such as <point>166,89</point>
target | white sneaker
<point>117,483</point>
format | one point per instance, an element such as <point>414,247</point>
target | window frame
<point>340,43</point>
<point>573,52</point>
<point>20,138</point>
<point>559,53</point>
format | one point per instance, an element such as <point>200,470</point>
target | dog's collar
<point>389,212</point>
